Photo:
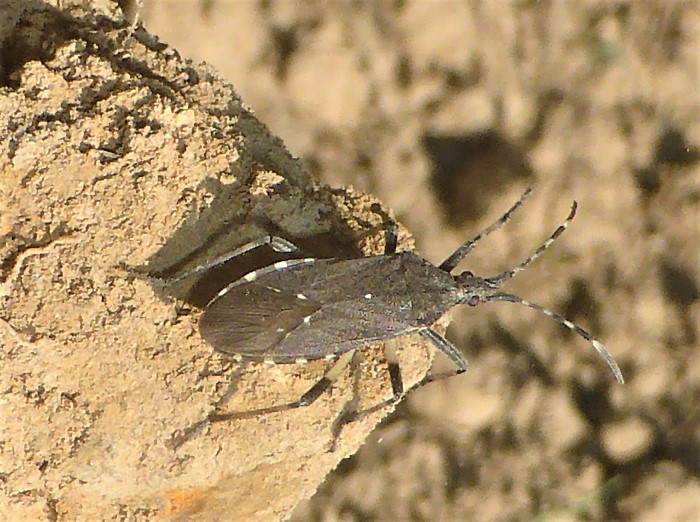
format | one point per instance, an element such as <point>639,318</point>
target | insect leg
<point>306,399</point>
<point>450,351</point>
<point>349,412</point>
<point>397,386</point>
<point>351,415</point>
<point>277,244</point>
<point>329,378</point>
<point>392,362</point>
<point>447,348</point>
<point>458,255</point>
<point>392,239</point>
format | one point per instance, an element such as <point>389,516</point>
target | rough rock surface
<point>117,153</point>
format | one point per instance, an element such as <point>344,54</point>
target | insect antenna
<point>597,345</point>
<point>508,274</point>
<point>493,283</point>
<point>458,255</point>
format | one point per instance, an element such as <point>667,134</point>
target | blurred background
<point>447,110</point>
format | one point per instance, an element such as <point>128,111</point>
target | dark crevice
<point>672,149</point>
<point>678,285</point>
<point>285,42</point>
<point>468,168</point>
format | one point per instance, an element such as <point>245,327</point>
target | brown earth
<point>116,151</point>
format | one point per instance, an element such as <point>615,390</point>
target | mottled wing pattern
<point>253,318</point>
<point>340,327</point>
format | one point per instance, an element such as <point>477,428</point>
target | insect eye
<point>473,300</point>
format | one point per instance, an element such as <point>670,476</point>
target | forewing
<point>339,327</point>
<point>253,318</point>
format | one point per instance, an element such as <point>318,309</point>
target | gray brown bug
<point>306,309</point>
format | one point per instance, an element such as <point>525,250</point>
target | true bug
<point>305,309</point>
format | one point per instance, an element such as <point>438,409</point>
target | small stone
<point>627,440</point>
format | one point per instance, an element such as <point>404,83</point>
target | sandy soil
<point>444,111</point>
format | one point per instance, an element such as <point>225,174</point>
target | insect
<point>306,309</point>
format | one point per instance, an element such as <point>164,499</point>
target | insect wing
<point>339,327</point>
<point>252,319</point>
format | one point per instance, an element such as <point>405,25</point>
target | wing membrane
<point>253,318</point>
